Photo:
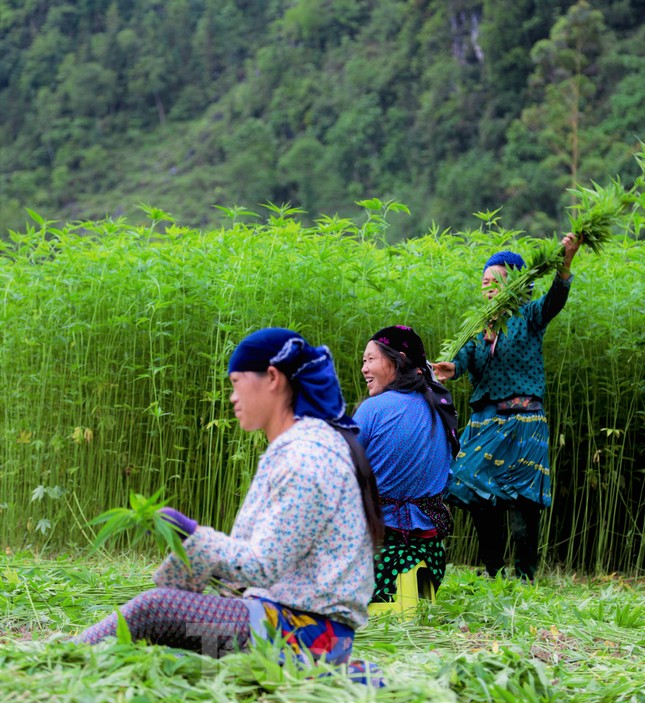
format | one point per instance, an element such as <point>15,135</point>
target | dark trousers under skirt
<point>503,469</point>
<point>490,523</point>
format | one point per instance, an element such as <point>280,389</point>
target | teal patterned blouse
<point>515,366</point>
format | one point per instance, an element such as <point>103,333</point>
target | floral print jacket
<point>300,537</point>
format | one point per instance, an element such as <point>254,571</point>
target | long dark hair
<point>369,490</point>
<point>407,377</point>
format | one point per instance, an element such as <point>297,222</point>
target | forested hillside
<point>449,106</point>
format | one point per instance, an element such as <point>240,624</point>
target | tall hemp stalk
<point>114,341</point>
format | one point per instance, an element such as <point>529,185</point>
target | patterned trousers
<point>200,622</point>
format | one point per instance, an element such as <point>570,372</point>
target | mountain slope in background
<point>450,107</point>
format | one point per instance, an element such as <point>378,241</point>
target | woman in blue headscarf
<point>300,554</point>
<point>503,464</point>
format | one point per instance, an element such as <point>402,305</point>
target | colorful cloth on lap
<point>502,457</point>
<point>319,635</point>
<point>315,633</point>
<point>399,555</point>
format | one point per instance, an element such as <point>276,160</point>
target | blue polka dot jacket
<point>514,365</point>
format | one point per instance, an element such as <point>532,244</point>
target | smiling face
<point>492,280</point>
<point>377,369</point>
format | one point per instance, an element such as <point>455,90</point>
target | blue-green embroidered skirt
<point>502,457</point>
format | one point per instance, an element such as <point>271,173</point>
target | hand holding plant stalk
<point>182,523</point>
<point>597,213</point>
<point>146,516</point>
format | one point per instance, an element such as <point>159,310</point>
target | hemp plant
<point>144,518</point>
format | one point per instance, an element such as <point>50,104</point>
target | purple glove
<point>186,526</point>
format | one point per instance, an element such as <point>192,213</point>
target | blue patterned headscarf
<point>505,258</point>
<point>310,370</point>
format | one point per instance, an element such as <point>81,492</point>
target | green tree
<point>220,42</point>
<point>319,102</point>
<point>89,88</point>
<point>465,186</point>
<point>564,88</point>
<point>251,161</point>
<point>509,29</point>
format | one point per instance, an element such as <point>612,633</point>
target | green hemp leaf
<point>144,518</point>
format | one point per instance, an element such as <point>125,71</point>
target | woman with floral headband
<point>300,554</point>
<point>409,448</point>
<point>504,461</point>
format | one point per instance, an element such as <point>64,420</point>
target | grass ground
<point>566,638</point>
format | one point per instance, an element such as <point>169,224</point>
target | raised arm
<point>557,295</point>
<point>571,244</point>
